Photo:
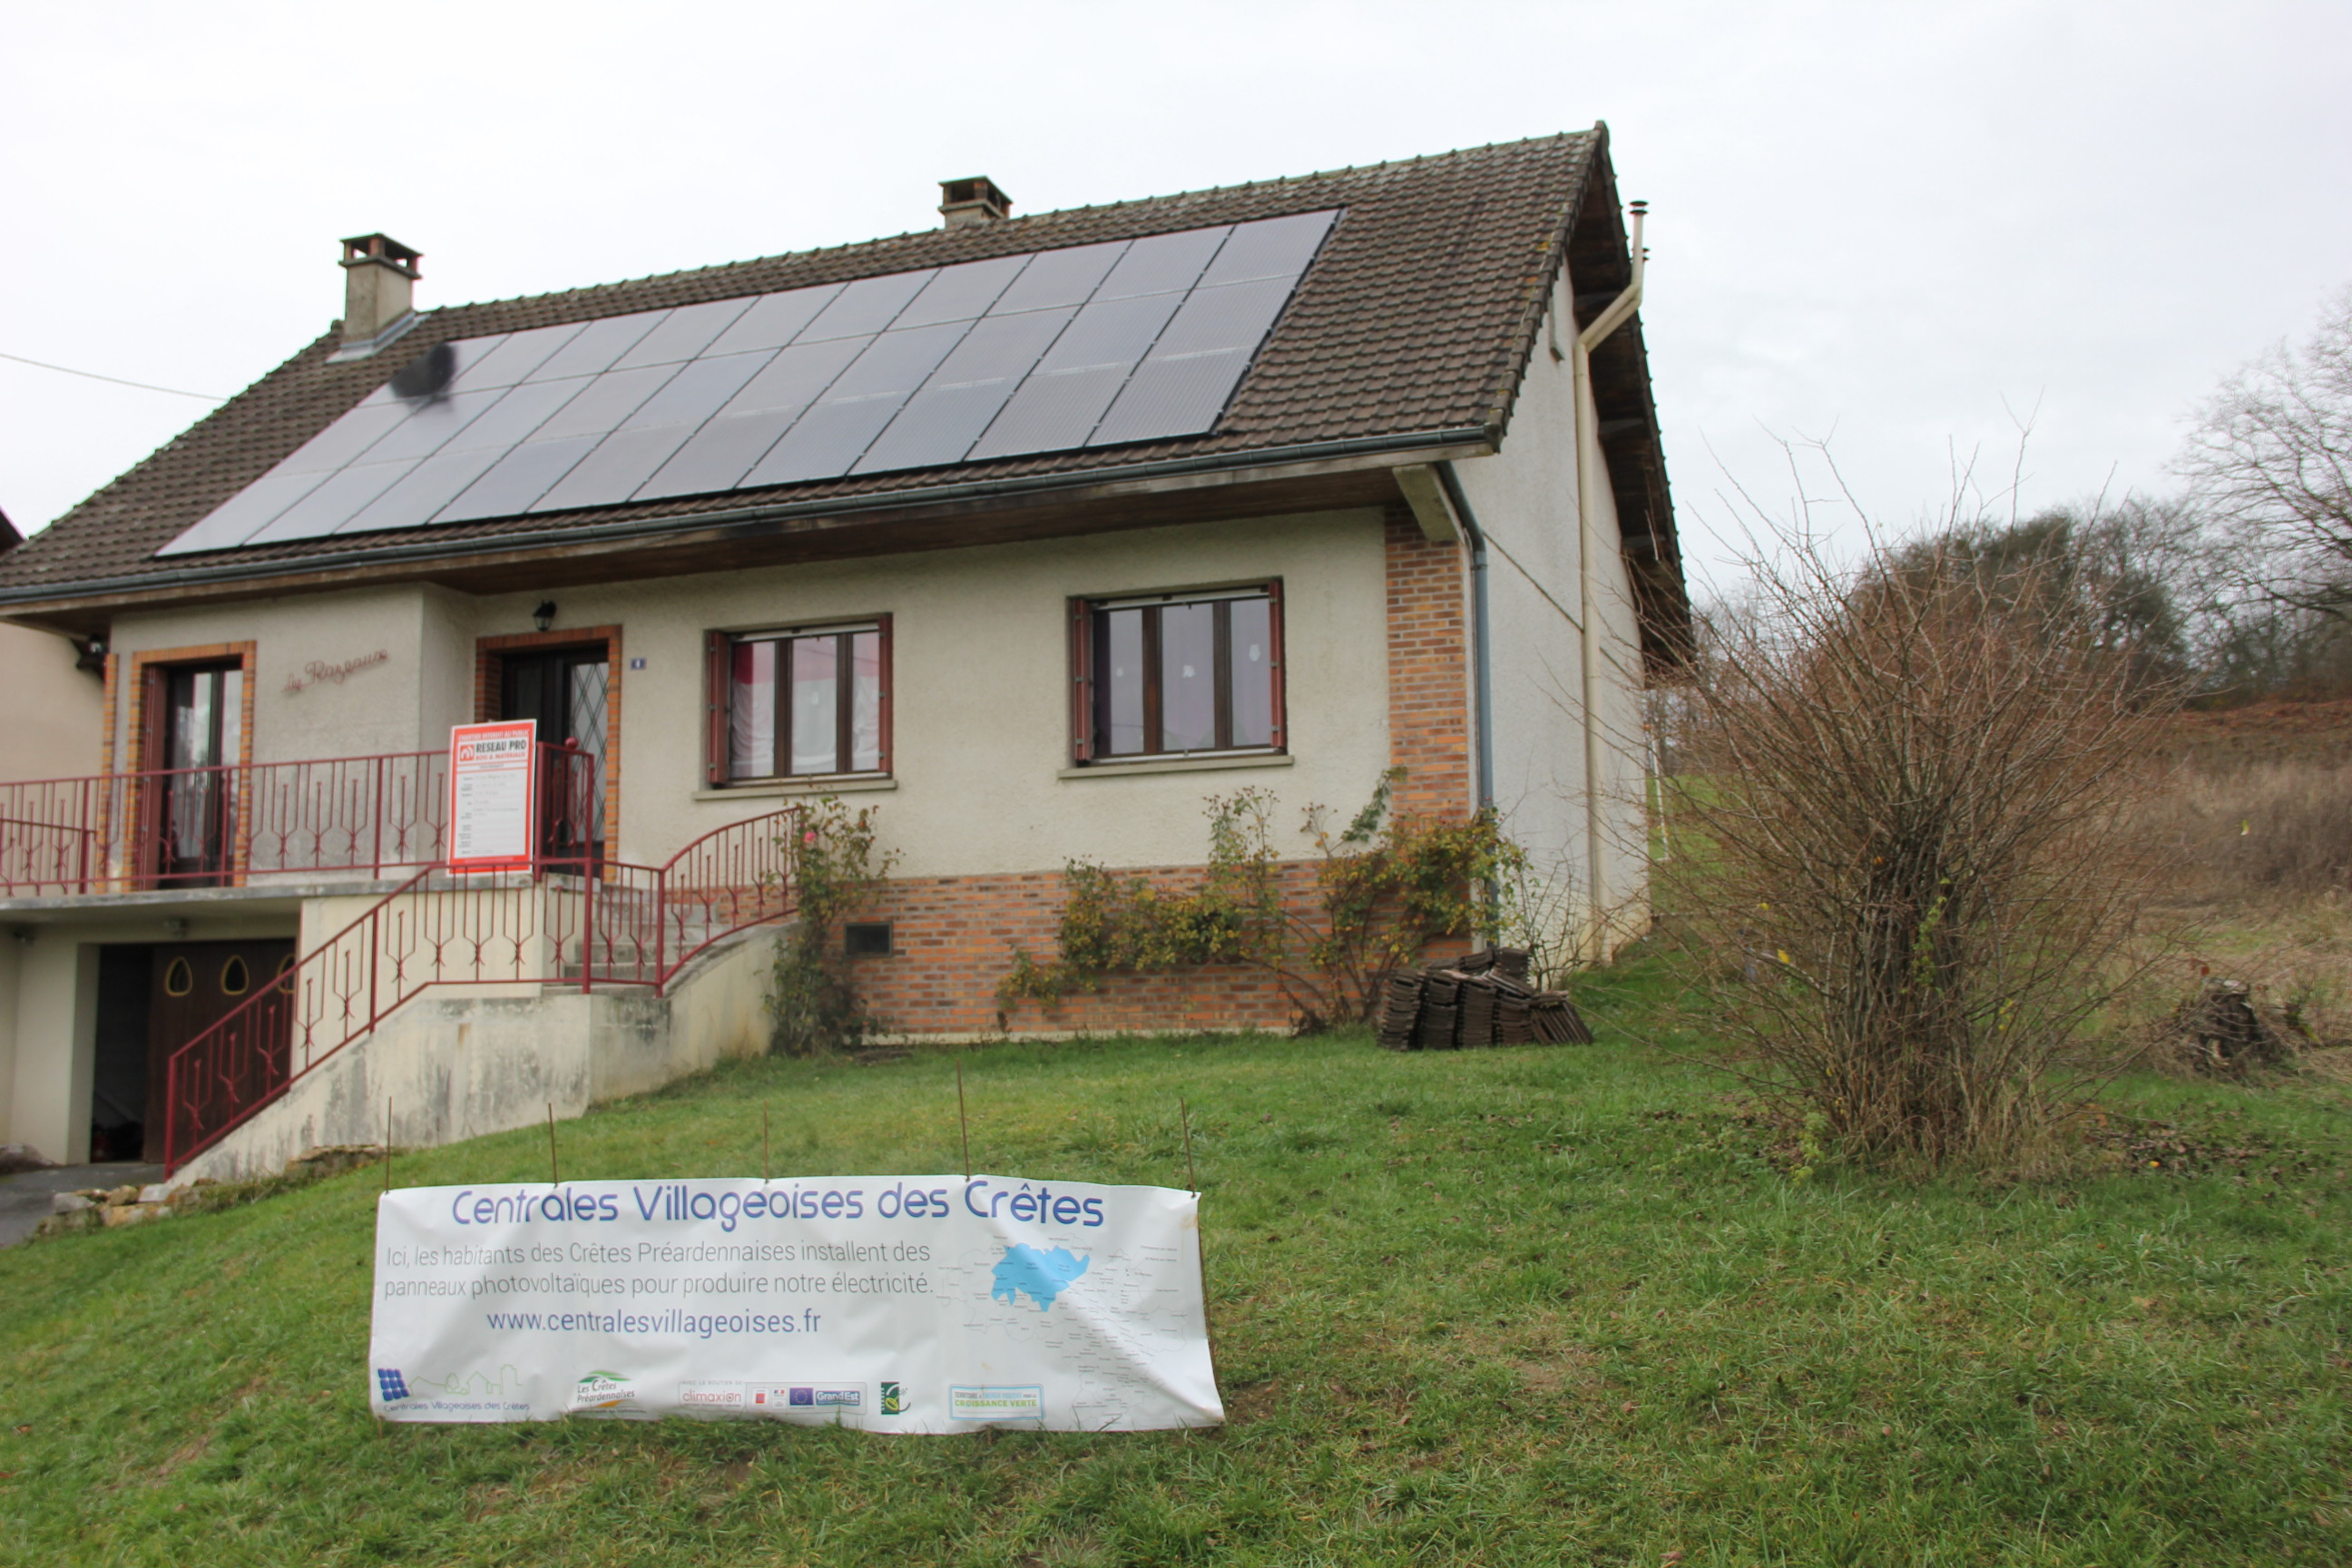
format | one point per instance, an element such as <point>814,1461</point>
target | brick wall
<point>1429,671</point>
<point>954,938</point>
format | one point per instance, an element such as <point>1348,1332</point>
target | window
<point>1170,674</point>
<point>802,703</point>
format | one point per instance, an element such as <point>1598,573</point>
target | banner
<point>493,815</point>
<point>891,1303</point>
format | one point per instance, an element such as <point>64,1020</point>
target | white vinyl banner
<point>891,1303</point>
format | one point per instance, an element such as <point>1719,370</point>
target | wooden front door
<point>192,987</point>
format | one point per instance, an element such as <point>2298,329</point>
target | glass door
<point>565,690</point>
<point>196,725</point>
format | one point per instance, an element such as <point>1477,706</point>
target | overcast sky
<point>1903,227</point>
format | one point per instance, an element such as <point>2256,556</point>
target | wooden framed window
<point>1177,674</point>
<point>805,702</point>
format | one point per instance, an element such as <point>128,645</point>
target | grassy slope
<point>1529,1306</point>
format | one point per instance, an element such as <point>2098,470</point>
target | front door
<point>195,725</point>
<point>192,987</point>
<point>564,689</point>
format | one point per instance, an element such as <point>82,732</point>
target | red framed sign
<point>493,809</point>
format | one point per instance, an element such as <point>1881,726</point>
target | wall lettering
<point>317,671</point>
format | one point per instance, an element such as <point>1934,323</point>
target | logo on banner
<point>390,1385</point>
<point>602,1390</point>
<point>1039,1273</point>
<point>893,1402</point>
<point>995,1402</point>
<point>711,1396</point>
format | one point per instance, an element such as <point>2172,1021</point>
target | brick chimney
<point>379,283</point>
<point>975,200</point>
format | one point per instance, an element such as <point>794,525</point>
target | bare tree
<point>2272,459</point>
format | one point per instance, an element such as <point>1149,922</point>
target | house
<point>49,697</point>
<point>1032,531</point>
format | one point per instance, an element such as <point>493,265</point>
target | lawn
<point>1541,1305</point>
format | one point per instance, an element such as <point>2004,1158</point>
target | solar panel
<point>1090,346</point>
<point>939,423</point>
<point>836,430</point>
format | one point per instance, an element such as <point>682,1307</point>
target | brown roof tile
<point>1417,318</point>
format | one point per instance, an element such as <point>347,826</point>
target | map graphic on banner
<point>891,1303</point>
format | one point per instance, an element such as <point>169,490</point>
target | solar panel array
<point>1054,350</point>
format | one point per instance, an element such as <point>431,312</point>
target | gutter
<point>1588,439</point>
<point>1450,442</point>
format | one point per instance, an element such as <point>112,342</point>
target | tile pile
<point>1481,999</point>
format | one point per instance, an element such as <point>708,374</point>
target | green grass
<point>1528,1306</point>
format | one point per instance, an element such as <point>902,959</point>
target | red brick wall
<point>1429,671</point>
<point>954,938</point>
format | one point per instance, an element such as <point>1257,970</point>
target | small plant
<point>1330,930</point>
<point>813,1004</point>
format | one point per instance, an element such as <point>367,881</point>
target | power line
<point>93,375</point>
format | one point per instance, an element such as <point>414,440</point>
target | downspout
<point>1588,439</point>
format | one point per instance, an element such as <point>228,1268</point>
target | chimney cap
<point>974,199</point>
<point>362,249</point>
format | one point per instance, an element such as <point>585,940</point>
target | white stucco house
<point>1032,531</point>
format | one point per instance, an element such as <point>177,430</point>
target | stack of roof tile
<point>1481,999</point>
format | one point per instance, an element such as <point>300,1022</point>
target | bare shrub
<point>1915,880</point>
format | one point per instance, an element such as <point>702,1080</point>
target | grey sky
<point>1906,225</point>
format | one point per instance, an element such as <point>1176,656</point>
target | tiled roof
<point>1417,318</point>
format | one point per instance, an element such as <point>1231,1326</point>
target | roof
<point>1410,330</point>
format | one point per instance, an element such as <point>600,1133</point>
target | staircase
<point>581,926</point>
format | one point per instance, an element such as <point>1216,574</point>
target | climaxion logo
<point>602,1390</point>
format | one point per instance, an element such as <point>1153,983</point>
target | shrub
<point>1916,881</point>
<point>813,1004</point>
<point>1383,887</point>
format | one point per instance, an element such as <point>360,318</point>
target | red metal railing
<point>578,920</point>
<point>218,827</point>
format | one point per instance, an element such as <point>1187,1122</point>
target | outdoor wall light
<point>175,928</point>
<point>23,935</point>
<point>543,616</point>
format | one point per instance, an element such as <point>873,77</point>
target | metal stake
<point>1185,1113</point>
<point>767,1166</point>
<point>387,1142</point>
<point>554,1174</point>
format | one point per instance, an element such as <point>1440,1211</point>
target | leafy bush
<point>813,1004</point>
<point>1375,894</point>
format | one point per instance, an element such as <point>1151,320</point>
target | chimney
<point>976,200</point>
<point>379,279</point>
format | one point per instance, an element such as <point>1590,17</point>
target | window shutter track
<point>1281,670</point>
<point>1082,686</point>
<point>717,696</point>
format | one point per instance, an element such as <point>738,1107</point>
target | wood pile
<point>1481,999</point>
<point>2222,1032</point>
